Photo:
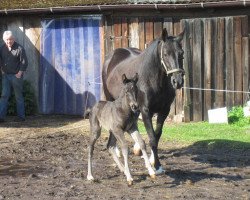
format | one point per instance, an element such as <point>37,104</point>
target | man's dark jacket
<point>14,60</point>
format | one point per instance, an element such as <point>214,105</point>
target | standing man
<point>13,63</point>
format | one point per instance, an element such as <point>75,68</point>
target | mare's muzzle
<point>177,79</point>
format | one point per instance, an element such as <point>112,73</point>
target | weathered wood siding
<point>216,54</point>
<point>219,47</point>
<point>216,57</point>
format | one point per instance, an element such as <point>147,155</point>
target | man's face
<point>9,41</point>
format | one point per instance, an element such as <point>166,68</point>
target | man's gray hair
<point>7,34</point>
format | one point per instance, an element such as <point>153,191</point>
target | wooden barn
<point>66,42</point>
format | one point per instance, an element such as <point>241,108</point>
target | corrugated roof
<point>27,4</point>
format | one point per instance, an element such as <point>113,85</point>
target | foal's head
<point>130,92</point>
<point>171,55</point>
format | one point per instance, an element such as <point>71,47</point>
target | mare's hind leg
<point>94,135</point>
<point>138,139</point>
<point>113,151</point>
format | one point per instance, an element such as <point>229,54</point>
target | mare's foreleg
<point>113,151</point>
<point>147,119</point>
<point>158,132</point>
<point>95,133</point>
<point>138,139</point>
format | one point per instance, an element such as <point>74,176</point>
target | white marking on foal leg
<point>90,176</point>
<point>117,151</point>
<point>112,150</point>
<point>126,167</point>
<point>137,137</point>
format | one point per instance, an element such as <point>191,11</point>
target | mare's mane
<point>150,59</point>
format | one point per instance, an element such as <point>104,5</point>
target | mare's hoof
<point>130,183</point>
<point>160,171</point>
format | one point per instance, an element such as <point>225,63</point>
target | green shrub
<point>236,116</point>
<point>29,99</point>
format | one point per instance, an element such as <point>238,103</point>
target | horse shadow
<point>206,155</point>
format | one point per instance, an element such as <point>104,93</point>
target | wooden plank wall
<point>216,57</point>
<point>219,49</point>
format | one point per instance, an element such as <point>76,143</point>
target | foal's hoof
<point>130,183</point>
<point>153,176</point>
<point>90,178</point>
<point>137,152</point>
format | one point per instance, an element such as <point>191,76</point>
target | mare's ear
<point>164,34</point>
<point>124,79</point>
<point>180,36</point>
<point>135,79</point>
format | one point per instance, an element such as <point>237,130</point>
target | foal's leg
<point>95,132</point>
<point>138,139</point>
<point>119,134</point>
<point>112,149</point>
<point>112,137</point>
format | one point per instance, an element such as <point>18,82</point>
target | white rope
<point>216,90</point>
<point>90,82</point>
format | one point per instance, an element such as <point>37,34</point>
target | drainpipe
<point>120,7</point>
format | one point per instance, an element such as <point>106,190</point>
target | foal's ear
<point>180,36</point>
<point>164,34</point>
<point>135,79</point>
<point>124,79</point>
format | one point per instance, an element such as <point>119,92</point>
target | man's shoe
<point>1,120</point>
<point>19,119</point>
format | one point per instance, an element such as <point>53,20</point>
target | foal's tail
<point>86,113</point>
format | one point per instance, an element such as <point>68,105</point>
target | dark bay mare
<point>160,71</point>
<point>117,117</point>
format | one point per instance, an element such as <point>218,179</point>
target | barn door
<point>70,71</point>
<point>216,61</point>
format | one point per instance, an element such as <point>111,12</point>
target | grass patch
<point>202,131</point>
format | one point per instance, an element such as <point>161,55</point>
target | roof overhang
<point>122,7</point>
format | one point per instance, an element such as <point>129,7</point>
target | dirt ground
<point>45,157</point>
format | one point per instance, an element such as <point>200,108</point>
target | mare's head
<point>130,92</point>
<point>171,55</point>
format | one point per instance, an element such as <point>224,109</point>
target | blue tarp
<point>70,71</point>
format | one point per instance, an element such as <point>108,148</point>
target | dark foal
<point>118,117</point>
